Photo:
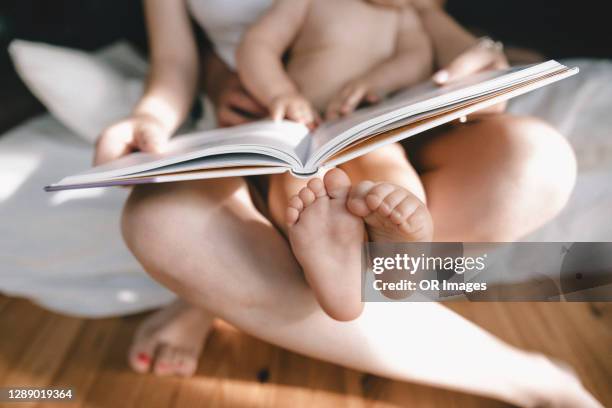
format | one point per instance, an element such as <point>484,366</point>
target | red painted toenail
<point>143,357</point>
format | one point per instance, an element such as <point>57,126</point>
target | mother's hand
<point>485,55</point>
<point>233,104</point>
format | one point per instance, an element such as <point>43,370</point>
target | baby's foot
<point>391,213</point>
<point>170,341</point>
<point>326,240</point>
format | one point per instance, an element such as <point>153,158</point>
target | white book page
<point>417,100</point>
<point>166,178</point>
<point>438,117</point>
<point>262,143</point>
<point>222,161</point>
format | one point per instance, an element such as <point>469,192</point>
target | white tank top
<point>225,21</point>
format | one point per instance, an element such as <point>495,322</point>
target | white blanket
<point>65,252</point>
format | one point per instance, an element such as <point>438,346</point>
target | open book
<point>266,147</point>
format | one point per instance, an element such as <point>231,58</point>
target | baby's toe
<point>296,205</point>
<point>404,210</point>
<point>317,187</point>
<point>413,218</point>
<point>376,197</point>
<point>337,183</point>
<point>391,201</point>
<point>307,196</point>
<point>419,225</point>
<point>356,202</point>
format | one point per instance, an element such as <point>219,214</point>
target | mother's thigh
<point>494,179</point>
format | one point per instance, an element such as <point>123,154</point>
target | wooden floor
<point>39,348</point>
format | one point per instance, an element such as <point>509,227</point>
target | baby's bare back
<point>342,40</point>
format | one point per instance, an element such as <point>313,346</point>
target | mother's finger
<point>109,149</point>
<point>151,138</point>
<point>486,54</point>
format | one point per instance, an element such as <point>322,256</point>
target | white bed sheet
<point>65,252</point>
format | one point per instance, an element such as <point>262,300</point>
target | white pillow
<point>86,92</point>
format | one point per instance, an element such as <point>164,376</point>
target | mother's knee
<point>145,212</point>
<point>542,156</point>
<point>152,205</point>
<point>537,161</point>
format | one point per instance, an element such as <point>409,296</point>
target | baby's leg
<point>325,237</point>
<point>387,192</point>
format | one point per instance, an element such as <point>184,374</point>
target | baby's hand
<point>294,107</point>
<point>350,97</point>
<point>141,132</point>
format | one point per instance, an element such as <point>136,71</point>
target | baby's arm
<point>411,63</point>
<point>260,61</point>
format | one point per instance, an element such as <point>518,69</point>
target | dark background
<point>556,28</point>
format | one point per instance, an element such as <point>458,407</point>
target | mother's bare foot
<point>391,213</point>
<point>170,341</point>
<point>327,240</point>
<point>558,387</point>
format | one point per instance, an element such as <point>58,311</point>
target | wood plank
<point>494,317</point>
<point>157,391</point>
<point>238,370</point>
<point>20,321</point>
<point>4,300</point>
<point>81,366</point>
<point>590,343</point>
<point>116,385</point>
<point>288,374</point>
<point>570,332</point>
<point>47,349</point>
